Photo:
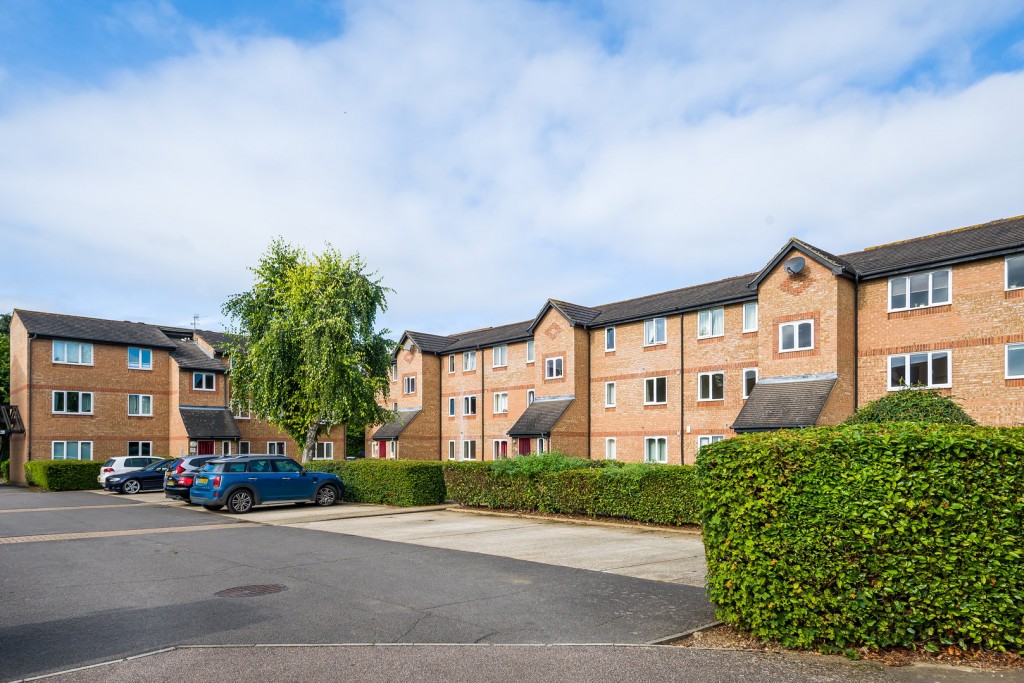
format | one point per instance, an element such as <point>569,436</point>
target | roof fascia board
<point>794,243</point>
<point>674,311</point>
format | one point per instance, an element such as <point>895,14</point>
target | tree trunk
<point>309,452</point>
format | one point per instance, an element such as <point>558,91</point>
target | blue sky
<point>483,156</point>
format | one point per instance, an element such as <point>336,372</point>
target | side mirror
<point>304,472</point>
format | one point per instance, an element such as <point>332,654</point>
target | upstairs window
<point>920,290</point>
<point>140,359</point>
<point>750,316</point>
<point>609,394</point>
<point>1015,272</point>
<point>469,361</point>
<point>920,369</point>
<point>655,390</point>
<point>711,323</point>
<point>749,380</point>
<point>711,386</point>
<point>530,351</point>
<point>654,331</point>
<point>796,336</point>
<point>553,368</point>
<point>451,407</point>
<point>1014,361</point>
<point>140,404</point>
<point>499,356</point>
<point>451,363</point>
<point>609,339</point>
<point>501,402</point>
<point>72,353</point>
<point>204,381</point>
<point>409,385</point>
<point>531,396</point>
<point>72,402</point>
<point>469,405</point>
<point>394,372</point>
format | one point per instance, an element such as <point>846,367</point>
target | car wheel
<point>131,487</point>
<point>240,501</point>
<point>213,508</point>
<point>326,495</point>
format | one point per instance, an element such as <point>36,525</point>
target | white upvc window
<point>499,356</point>
<point>72,353</point>
<point>451,406</point>
<point>469,405</point>
<point>749,380</point>
<point>140,359</point>
<point>553,368</point>
<point>609,394</point>
<point>71,450</point>
<point>469,360</point>
<point>609,339</point>
<point>654,331</point>
<point>932,369</point>
<point>655,391</point>
<point>324,451</point>
<point>72,402</point>
<point>204,381</point>
<point>409,385</point>
<point>451,363</point>
<point>921,290</point>
<point>276,448</point>
<point>394,372</point>
<point>796,336</point>
<point>542,445</point>
<point>609,448</point>
<point>241,412</point>
<point>225,447</point>
<point>1015,272</point>
<point>531,351</point>
<point>501,402</point>
<point>243,447</point>
<point>140,404</point>
<point>750,316</point>
<point>138,449</point>
<point>531,396</point>
<point>711,323</point>
<point>500,447</point>
<point>711,386</point>
<point>656,449</point>
<point>451,450</point>
<point>707,440</point>
<point>1014,361</point>
<point>468,449</point>
<point>392,449</point>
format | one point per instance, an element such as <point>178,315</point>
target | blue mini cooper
<point>241,482</point>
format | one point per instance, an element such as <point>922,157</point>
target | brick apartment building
<point>93,389</point>
<point>803,342</point>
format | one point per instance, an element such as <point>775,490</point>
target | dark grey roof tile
<point>209,423</point>
<point>189,356</point>
<point>784,403</point>
<point>59,326</point>
<point>540,418</point>
<point>392,430</point>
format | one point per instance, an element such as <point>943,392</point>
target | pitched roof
<point>220,341</point>
<point>785,403</point>
<point>189,356</point>
<point>540,417</point>
<point>209,423</point>
<point>392,430</point>
<point>429,343</point>
<point>59,326</point>
<point>489,336</point>
<point>837,265</point>
<point>676,301</point>
<point>970,243</point>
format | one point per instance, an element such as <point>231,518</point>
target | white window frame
<point>496,450</point>
<point>610,448</point>
<point>470,452</point>
<point>652,383</point>
<point>609,393</point>
<point>711,385</point>
<point>452,405</point>
<point>931,303</point>
<point>451,363</point>
<point>204,375</point>
<point>1006,275</point>
<point>746,306</point>
<point>906,358</point>
<point>531,351</point>
<point>469,402</point>
<point>468,361</point>
<point>244,447</point>
<point>140,454</point>
<point>1012,347</point>
<point>392,449</point>
<point>499,356</point>
<point>531,396</point>
<point>708,439</point>
<point>64,394</point>
<point>225,447</point>
<point>542,445</point>
<point>500,402</point>
<point>551,365</point>
<point>743,384</point>
<point>394,372</point>
<point>280,448</point>
<point>795,324</point>
<point>451,450</point>
<point>609,336</point>
<point>648,440</point>
<point>712,314</point>
<point>141,364</point>
<point>140,398</point>
<point>64,445</point>
<point>240,413</point>
<point>409,384</point>
<point>81,346</point>
<point>325,447</point>
<point>651,332</point>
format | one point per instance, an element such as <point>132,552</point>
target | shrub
<point>403,483</point>
<point>5,470</point>
<point>912,405</point>
<point>63,475</point>
<point>873,535</point>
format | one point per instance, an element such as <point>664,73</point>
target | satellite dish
<point>795,265</point>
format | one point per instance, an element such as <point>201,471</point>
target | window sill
<point>901,313</point>
<point>929,387</point>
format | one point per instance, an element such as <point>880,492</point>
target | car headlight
<point>113,480</point>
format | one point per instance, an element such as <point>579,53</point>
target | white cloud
<point>485,156</point>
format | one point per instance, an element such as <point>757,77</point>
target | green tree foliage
<point>912,405</point>
<point>5,358</point>
<point>306,355</point>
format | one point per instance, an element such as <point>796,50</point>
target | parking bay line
<point>8,540</point>
<point>78,507</point>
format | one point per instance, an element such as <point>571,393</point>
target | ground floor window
<point>71,450</point>
<point>500,449</point>
<point>451,447</point>
<point>243,448</point>
<point>324,451</point>
<point>392,449</point>
<point>656,449</point>
<point>609,448</point>
<point>225,448</point>
<point>469,450</point>
<point>542,446</point>
<point>140,448</point>
<point>703,441</point>
<point>920,369</point>
<point>276,448</point>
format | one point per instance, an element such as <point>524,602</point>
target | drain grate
<point>251,591</point>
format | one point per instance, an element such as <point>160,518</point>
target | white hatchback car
<point>124,464</point>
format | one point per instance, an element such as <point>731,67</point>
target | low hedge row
<point>5,470</point>
<point>404,483</point>
<point>63,475</point>
<point>868,535</point>
<point>662,494</point>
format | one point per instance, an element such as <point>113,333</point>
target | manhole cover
<point>251,591</point>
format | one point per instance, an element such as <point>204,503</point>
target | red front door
<point>205,448</point>
<point>524,447</point>
<point>382,449</point>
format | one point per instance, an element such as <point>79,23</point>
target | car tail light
<point>179,469</point>
<point>185,481</point>
<point>108,469</point>
<point>216,482</point>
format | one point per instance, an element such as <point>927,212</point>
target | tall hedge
<point>868,535</point>
<point>403,483</point>
<point>63,475</point>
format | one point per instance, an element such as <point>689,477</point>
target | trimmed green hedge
<point>663,494</point>
<point>5,470</point>
<point>868,535</point>
<point>912,405</point>
<point>63,475</point>
<point>404,483</point>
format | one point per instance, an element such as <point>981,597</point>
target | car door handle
<point>253,478</point>
<point>286,478</point>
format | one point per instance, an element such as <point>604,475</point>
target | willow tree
<point>305,353</point>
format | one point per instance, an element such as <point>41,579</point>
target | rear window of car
<point>224,467</point>
<point>109,463</point>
